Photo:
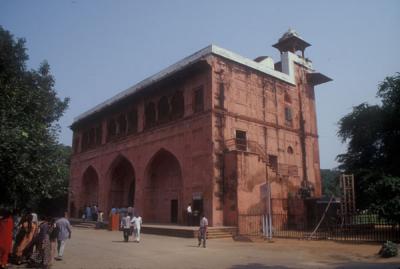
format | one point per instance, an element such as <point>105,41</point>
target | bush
<point>389,249</point>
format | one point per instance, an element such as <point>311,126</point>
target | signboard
<point>197,196</point>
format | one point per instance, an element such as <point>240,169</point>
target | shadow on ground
<point>369,265</point>
<point>350,265</point>
<point>258,266</point>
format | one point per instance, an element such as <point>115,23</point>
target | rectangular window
<point>273,162</point>
<point>241,140</point>
<point>288,114</point>
<point>198,104</point>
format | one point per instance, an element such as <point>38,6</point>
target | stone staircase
<point>221,232</point>
<point>189,232</point>
<point>168,230</point>
<point>79,223</point>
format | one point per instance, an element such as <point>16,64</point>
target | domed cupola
<point>291,41</point>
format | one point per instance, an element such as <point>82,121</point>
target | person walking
<point>126,227</point>
<point>53,234</point>
<point>94,211</point>
<point>42,255</point>
<point>6,236</point>
<point>203,230</point>
<point>64,232</point>
<point>189,214</point>
<point>137,224</point>
<point>27,231</point>
<point>88,213</point>
<point>100,220</point>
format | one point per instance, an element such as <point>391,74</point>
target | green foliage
<point>389,249</point>
<point>330,182</point>
<point>385,198</point>
<point>32,164</point>
<point>372,134</point>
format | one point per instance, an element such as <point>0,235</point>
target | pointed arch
<point>122,179</point>
<point>90,186</point>
<point>163,187</point>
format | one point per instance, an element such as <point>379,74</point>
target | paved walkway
<point>102,249</point>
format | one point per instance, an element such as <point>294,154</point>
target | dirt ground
<point>102,249</point>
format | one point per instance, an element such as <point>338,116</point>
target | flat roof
<point>180,65</point>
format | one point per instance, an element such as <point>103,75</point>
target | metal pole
<point>269,212</point>
<point>263,226</point>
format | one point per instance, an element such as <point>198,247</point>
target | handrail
<point>250,146</point>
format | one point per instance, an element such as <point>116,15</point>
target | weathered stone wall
<point>187,139</point>
<point>256,103</point>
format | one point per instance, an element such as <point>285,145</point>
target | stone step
<point>83,224</point>
<point>168,230</point>
<point>190,232</point>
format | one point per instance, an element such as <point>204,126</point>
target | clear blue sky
<point>98,48</point>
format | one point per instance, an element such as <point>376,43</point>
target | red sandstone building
<point>213,130</point>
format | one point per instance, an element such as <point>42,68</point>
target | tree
<point>385,197</point>
<point>31,166</point>
<point>372,133</point>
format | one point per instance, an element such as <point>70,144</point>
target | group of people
<point>92,213</point>
<point>26,239</point>
<point>130,225</point>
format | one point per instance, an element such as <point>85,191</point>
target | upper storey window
<point>163,109</point>
<point>121,124</point>
<point>177,105</point>
<point>150,115</point>
<point>75,144</point>
<point>288,115</point>
<point>99,135</point>
<point>111,129</point>
<point>133,121</point>
<point>198,102</point>
<point>92,136</point>
<point>241,140</point>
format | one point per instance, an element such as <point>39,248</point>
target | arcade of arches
<point>161,189</point>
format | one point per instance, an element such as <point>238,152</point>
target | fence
<point>357,227</point>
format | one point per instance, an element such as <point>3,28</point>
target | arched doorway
<point>122,189</point>
<point>163,189</point>
<point>90,187</point>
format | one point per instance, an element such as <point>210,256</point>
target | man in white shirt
<point>203,230</point>
<point>189,215</point>
<point>136,222</point>
<point>126,227</point>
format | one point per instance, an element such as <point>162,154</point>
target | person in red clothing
<point>6,232</point>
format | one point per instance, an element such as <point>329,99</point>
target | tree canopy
<point>372,134</point>
<point>32,163</point>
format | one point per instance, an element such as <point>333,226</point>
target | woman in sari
<point>6,233</point>
<point>42,255</point>
<point>28,228</point>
